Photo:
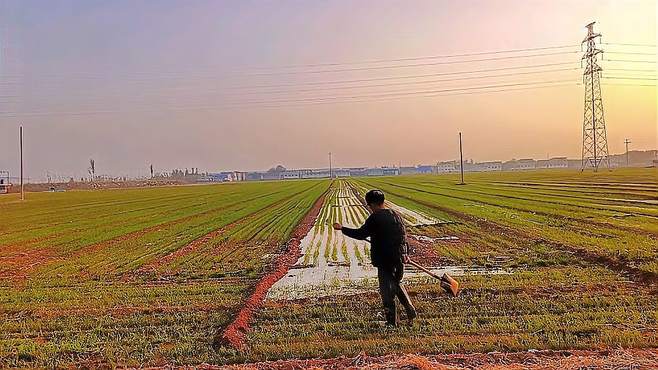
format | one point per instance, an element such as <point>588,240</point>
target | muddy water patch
<point>333,264</point>
<point>342,280</point>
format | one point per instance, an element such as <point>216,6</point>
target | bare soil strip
<point>17,267</point>
<point>530,360</point>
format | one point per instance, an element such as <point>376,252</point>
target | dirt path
<point>530,360</point>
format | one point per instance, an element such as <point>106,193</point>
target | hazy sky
<point>250,84</point>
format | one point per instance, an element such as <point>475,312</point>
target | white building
<point>484,166</point>
<point>520,164</point>
<point>447,167</point>
<point>556,162</point>
<point>375,172</point>
<point>5,184</point>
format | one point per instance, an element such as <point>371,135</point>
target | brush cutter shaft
<point>420,267</point>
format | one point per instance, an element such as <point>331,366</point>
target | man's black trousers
<point>390,278</point>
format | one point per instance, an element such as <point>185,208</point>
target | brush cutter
<point>450,285</point>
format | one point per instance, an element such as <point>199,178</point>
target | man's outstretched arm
<point>361,233</point>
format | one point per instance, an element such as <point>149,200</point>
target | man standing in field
<point>388,251</point>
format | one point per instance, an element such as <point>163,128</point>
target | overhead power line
<point>628,53</point>
<point>628,78</point>
<point>632,70</point>
<point>218,107</point>
<point>621,84</point>
<point>312,89</point>
<point>629,44</point>
<point>392,80</point>
<point>570,84</point>
<point>412,82</point>
<point>406,77</point>
<point>408,93</point>
<point>629,61</point>
<point>415,65</point>
<point>409,59</point>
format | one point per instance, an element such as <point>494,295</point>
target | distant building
<point>426,169</point>
<point>291,174</point>
<point>271,175</point>
<point>341,172</point>
<point>223,176</point>
<point>557,162</point>
<point>358,171</point>
<point>408,171</point>
<point>447,167</point>
<point>390,171</point>
<point>574,163</point>
<point>520,164</point>
<point>316,174</point>
<point>636,158</point>
<point>254,176</point>
<point>307,174</point>
<point>5,184</point>
<point>375,172</point>
<point>484,166</point>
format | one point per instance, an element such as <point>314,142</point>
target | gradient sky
<point>134,82</point>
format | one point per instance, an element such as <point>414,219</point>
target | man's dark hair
<point>375,196</point>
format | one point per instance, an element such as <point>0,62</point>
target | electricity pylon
<point>595,141</point>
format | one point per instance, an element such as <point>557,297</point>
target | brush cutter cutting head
<point>450,285</point>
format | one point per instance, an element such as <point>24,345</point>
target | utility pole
<point>595,141</point>
<point>330,168</point>
<point>21,150</point>
<point>627,141</point>
<point>461,159</point>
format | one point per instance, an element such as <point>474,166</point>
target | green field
<point>148,276</point>
<point>581,251</point>
<point>136,276</point>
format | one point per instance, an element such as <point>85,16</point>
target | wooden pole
<point>461,159</point>
<point>21,148</point>
<point>330,167</point>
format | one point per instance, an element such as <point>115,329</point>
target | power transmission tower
<point>627,141</point>
<point>595,141</point>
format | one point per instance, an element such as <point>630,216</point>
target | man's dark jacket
<point>385,228</point>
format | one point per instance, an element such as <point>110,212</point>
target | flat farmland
<point>548,260</point>
<point>126,277</point>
